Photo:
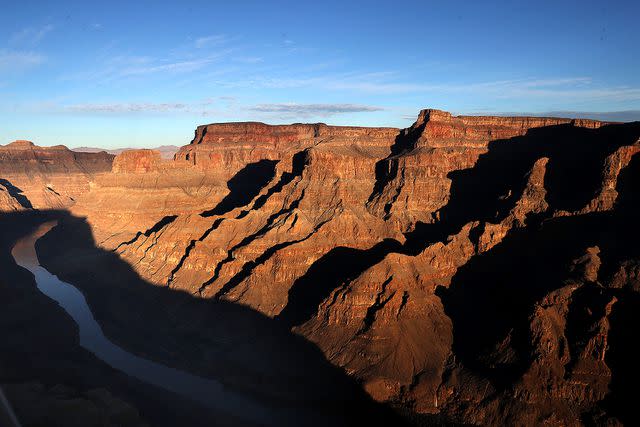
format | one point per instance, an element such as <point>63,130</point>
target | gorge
<point>468,269</point>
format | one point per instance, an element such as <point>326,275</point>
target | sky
<point>144,74</point>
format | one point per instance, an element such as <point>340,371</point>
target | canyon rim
<point>467,269</point>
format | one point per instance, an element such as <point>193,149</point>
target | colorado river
<point>206,391</point>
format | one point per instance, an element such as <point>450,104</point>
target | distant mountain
<point>166,151</point>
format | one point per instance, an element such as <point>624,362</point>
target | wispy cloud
<point>11,60</point>
<point>379,83</point>
<point>126,108</point>
<point>124,66</point>
<point>213,40</point>
<point>610,94</point>
<point>568,89</point>
<point>30,35</point>
<point>222,107</point>
<point>249,59</point>
<point>310,110</point>
<point>572,89</point>
<point>173,67</point>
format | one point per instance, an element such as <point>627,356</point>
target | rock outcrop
<point>143,190</point>
<point>47,177</point>
<point>476,269</point>
<point>8,202</point>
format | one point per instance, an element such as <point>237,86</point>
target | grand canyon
<point>479,270</point>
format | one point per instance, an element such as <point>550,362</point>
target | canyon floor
<point>467,270</point>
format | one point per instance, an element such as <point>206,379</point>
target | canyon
<point>46,177</point>
<point>166,151</point>
<point>468,269</point>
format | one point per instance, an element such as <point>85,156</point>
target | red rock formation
<point>49,177</point>
<point>141,190</point>
<point>415,182</point>
<point>8,203</point>
<point>230,146</point>
<point>137,161</point>
<point>450,267</point>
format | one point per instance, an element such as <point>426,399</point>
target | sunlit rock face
<point>48,177</point>
<point>8,200</point>
<point>478,268</point>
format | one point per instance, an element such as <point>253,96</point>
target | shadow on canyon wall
<point>624,353</point>
<point>489,299</point>
<point>337,267</point>
<point>490,189</point>
<point>387,169</point>
<point>16,193</point>
<point>246,351</point>
<point>40,351</point>
<point>244,186</point>
<point>492,296</point>
<point>485,192</point>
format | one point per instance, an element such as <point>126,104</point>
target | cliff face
<point>47,177</point>
<point>436,145</point>
<point>8,203</point>
<point>143,189</point>
<point>231,146</point>
<point>478,268</point>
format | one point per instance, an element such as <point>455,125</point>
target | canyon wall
<point>46,177</point>
<point>478,269</point>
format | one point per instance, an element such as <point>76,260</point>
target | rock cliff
<point>46,177</point>
<point>8,202</point>
<point>481,270</point>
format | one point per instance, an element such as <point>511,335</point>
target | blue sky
<point>146,73</point>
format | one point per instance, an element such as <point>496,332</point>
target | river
<point>206,391</point>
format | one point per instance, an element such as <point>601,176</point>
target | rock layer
<point>48,177</point>
<point>478,269</point>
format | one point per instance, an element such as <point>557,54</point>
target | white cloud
<point>249,59</point>
<point>122,66</point>
<point>30,35</point>
<point>310,110</point>
<point>376,83</point>
<point>568,89</point>
<point>174,67</point>
<point>212,40</point>
<point>222,107</point>
<point>11,60</point>
<point>126,107</point>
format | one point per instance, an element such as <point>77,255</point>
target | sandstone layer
<point>479,270</point>
<point>46,177</point>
